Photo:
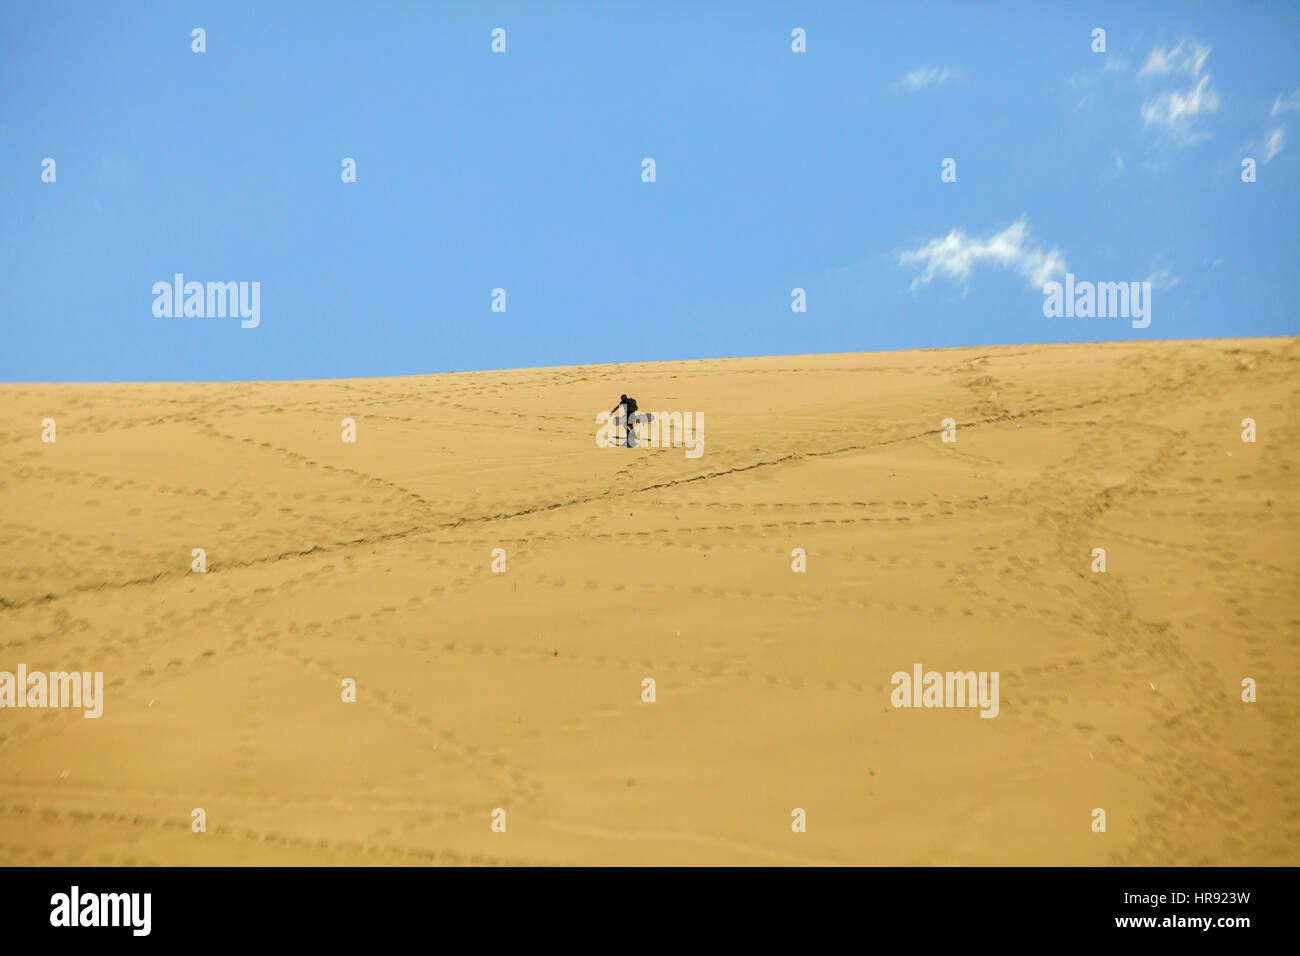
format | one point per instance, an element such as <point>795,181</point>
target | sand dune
<point>522,690</point>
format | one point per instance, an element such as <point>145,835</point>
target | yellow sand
<point>523,690</point>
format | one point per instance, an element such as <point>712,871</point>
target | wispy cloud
<point>1187,57</point>
<point>1286,104</point>
<point>1163,279</point>
<point>1088,83</point>
<point>1178,113</point>
<point>922,77</point>
<point>1274,143</point>
<point>956,255</point>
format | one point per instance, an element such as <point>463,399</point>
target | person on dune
<point>628,405</point>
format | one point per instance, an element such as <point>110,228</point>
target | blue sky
<point>522,170</point>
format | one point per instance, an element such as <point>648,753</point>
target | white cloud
<point>1285,104</point>
<point>1088,82</point>
<point>1187,57</point>
<point>956,255</point>
<point>1273,145</point>
<point>920,78</point>
<point>1163,279</point>
<point>1178,112</point>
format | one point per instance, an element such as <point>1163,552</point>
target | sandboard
<point>620,430</point>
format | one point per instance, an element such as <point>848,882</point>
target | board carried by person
<point>625,415</point>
